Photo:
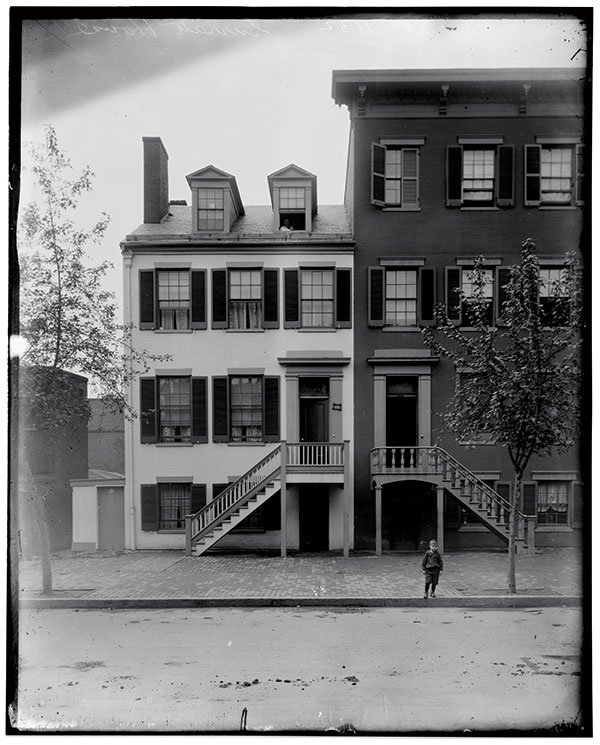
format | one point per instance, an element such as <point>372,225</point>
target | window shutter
<point>376,295</point>
<point>199,418</point>
<point>292,306</point>
<point>219,299</point>
<point>220,410</point>
<point>198,299</point>
<point>148,413</point>
<point>533,182</point>
<point>502,279</point>
<point>147,305</point>
<point>453,284</point>
<point>378,174</point>
<point>529,498</point>
<point>150,512</point>
<point>454,160</point>
<point>410,177</point>
<point>343,298</point>
<point>577,510</point>
<point>426,296</point>
<point>198,498</point>
<point>579,173</point>
<point>271,298</point>
<point>271,410</point>
<point>506,176</point>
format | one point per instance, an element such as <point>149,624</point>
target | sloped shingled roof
<point>329,219</point>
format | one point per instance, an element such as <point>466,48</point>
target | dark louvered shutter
<point>503,279</point>
<point>410,177</point>
<point>147,305</point>
<point>529,499</point>
<point>533,186</point>
<point>148,413</point>
<point>150,512</point>
<point>198,299</point>
<point>378,174</point>
<point>199,418</point>
<point>427,296</point>
<point>271,298</point>
<point>577,513</point>
<point>506,177</point>
<point>292,307</point>
<point>198,498</point>
<point>219,299</point>
<point>453,282</point>
<point>220,410</point>
<point>271,409</point>
<point>376,295</point>
<point>454,157</point>
<point>579,174</point>
<point>343,298</point>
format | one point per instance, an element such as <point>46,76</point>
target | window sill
<point>553,529</point>
<point>172,444</point>
<point>400,209</point>
<point>173,331</point>
<point>245,331</point>
<point>317,330</point>
<point>557,207</point>
<point>246,444</point>
<point>400,329</point>
<point>480,209</point>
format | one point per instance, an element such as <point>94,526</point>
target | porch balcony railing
<point>315,455</point>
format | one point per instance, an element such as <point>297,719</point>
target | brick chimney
<point>156,180</point>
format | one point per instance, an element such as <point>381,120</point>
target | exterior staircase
<point>234,504</point>
<point>435,465</point>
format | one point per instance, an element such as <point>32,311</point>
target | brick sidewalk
<point>164,575</point>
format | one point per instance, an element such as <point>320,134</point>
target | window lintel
<point>566,140</point>
<point>554,475</point>
<point>480,140</point>
<point>402,141</point>
<point>401,262</point>
<point>174,479</point>
<point>489,262</point>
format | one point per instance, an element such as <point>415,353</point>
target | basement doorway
<point>314,517</point>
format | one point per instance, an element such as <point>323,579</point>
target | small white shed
<point>98,512</point>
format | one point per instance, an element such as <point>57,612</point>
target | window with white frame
<point>479,173</point>
<point>245,298</point>
<point>469,288</point>
<point>292,207</point>
<point>211,209</point>
<point>317,298</point>
<point>401,297</point>
<point>173,299</point>
<point>553,502</point>
<point>554,295</point>
<point>395,176</point>
<point>174,409</point>
<point>554,174</point>
<point>175,502</point>
<point>246,409</point>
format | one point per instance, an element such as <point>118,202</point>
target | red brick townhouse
<point>444,166</point>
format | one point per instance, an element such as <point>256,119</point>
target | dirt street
<point>300,669</point>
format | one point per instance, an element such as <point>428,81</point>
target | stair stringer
<point>213,536</point>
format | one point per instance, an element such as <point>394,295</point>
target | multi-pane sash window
<point>469,290</point>
<point>292,207</point>
<point>552,502</point>
<point>554,175</point>
<point>554,296</point>
<point>175,502</point>
<point>316,300</point>
<point>401,297</point>
<point>173,299</point>
<point>246,409</point>
<point>478,175</point>
<point>245,299</point>
<point>394,176</point>
<point>211,209</point>
<point>175,409</point>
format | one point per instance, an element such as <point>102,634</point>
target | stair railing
<point>233,497</point>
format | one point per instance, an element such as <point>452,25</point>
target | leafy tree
<point>524,381</point>
<point>67,317</point>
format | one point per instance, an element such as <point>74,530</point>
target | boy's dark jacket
<point>433,560</point>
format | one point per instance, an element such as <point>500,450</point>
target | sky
<point>247,95</point>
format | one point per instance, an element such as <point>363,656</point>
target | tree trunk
<point>512,534</point>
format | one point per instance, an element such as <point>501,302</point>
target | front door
<point>111,527</point>
<point>314,517</point>
<point>314,409</point>
<point>401,416</point>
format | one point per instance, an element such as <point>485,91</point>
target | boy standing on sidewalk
<point>432,565</point>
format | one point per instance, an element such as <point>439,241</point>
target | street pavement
<point>551,576</point>
<point>259,670</point>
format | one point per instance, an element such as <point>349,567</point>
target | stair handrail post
<point>283,459</point>
<point>346,461</point>
<point>188,534</point>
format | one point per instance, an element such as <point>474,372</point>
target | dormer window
<point>294,198</point>
<point>216,203</point>
<point>211,212</point>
